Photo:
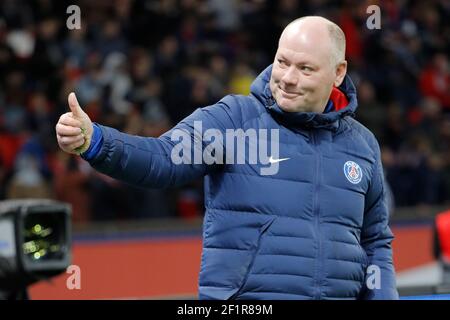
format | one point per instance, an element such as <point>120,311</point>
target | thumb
<point>74,105</point>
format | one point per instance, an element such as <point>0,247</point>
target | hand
<point>74,129</point>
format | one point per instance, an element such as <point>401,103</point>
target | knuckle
<point>66,116</point>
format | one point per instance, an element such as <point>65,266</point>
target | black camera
<point>35,243</point>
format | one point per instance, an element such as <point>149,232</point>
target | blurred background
<point>143,65</point>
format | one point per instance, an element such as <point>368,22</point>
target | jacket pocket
<point>263,230</point>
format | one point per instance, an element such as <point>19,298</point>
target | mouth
<point>288,95</point>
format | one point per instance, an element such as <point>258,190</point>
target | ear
<point>341,71</point>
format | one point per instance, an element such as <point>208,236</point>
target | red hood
<point>338,98</point>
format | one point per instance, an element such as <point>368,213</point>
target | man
<point>307,227</point>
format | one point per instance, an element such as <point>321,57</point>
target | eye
<point>306,68</point>
<point>282,63</point>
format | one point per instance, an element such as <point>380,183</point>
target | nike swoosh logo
<point>272,160</point>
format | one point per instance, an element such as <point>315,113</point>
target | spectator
<point>27,181</point>
<point>435,80</point>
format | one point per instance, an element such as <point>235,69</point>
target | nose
<point>290,78</point>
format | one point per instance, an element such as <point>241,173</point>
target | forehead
<point>314,46</point>
<point>298,57</point>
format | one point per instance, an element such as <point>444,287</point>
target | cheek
<point>308,84</point>
<point>276,75</point>
<point>314,83</point>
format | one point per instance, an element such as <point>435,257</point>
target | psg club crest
<point>352,172</point>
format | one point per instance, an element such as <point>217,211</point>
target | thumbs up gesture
<point>74,129</point>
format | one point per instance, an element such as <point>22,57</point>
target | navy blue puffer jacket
<point>309,231</point>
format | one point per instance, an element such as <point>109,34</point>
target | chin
<point>289,106</point>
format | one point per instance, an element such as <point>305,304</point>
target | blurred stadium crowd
<point>142,66</point>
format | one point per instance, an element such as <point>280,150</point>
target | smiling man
<point>317,228</point>
<point>310,60</point>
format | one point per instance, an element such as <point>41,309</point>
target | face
<point>303,74</point>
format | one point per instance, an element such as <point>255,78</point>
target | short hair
<point>337,36</point>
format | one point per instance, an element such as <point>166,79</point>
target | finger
<point>76,145</point>
<point>64,130</point>
<point>69,140</point>
<point>74,105</point>
<point>68,120</point>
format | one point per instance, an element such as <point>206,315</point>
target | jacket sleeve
<point>148,162</point>
<point>376,238</point>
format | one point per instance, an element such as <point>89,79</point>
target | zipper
<point>316,213</point>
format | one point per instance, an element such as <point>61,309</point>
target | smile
<point>288,95</point>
